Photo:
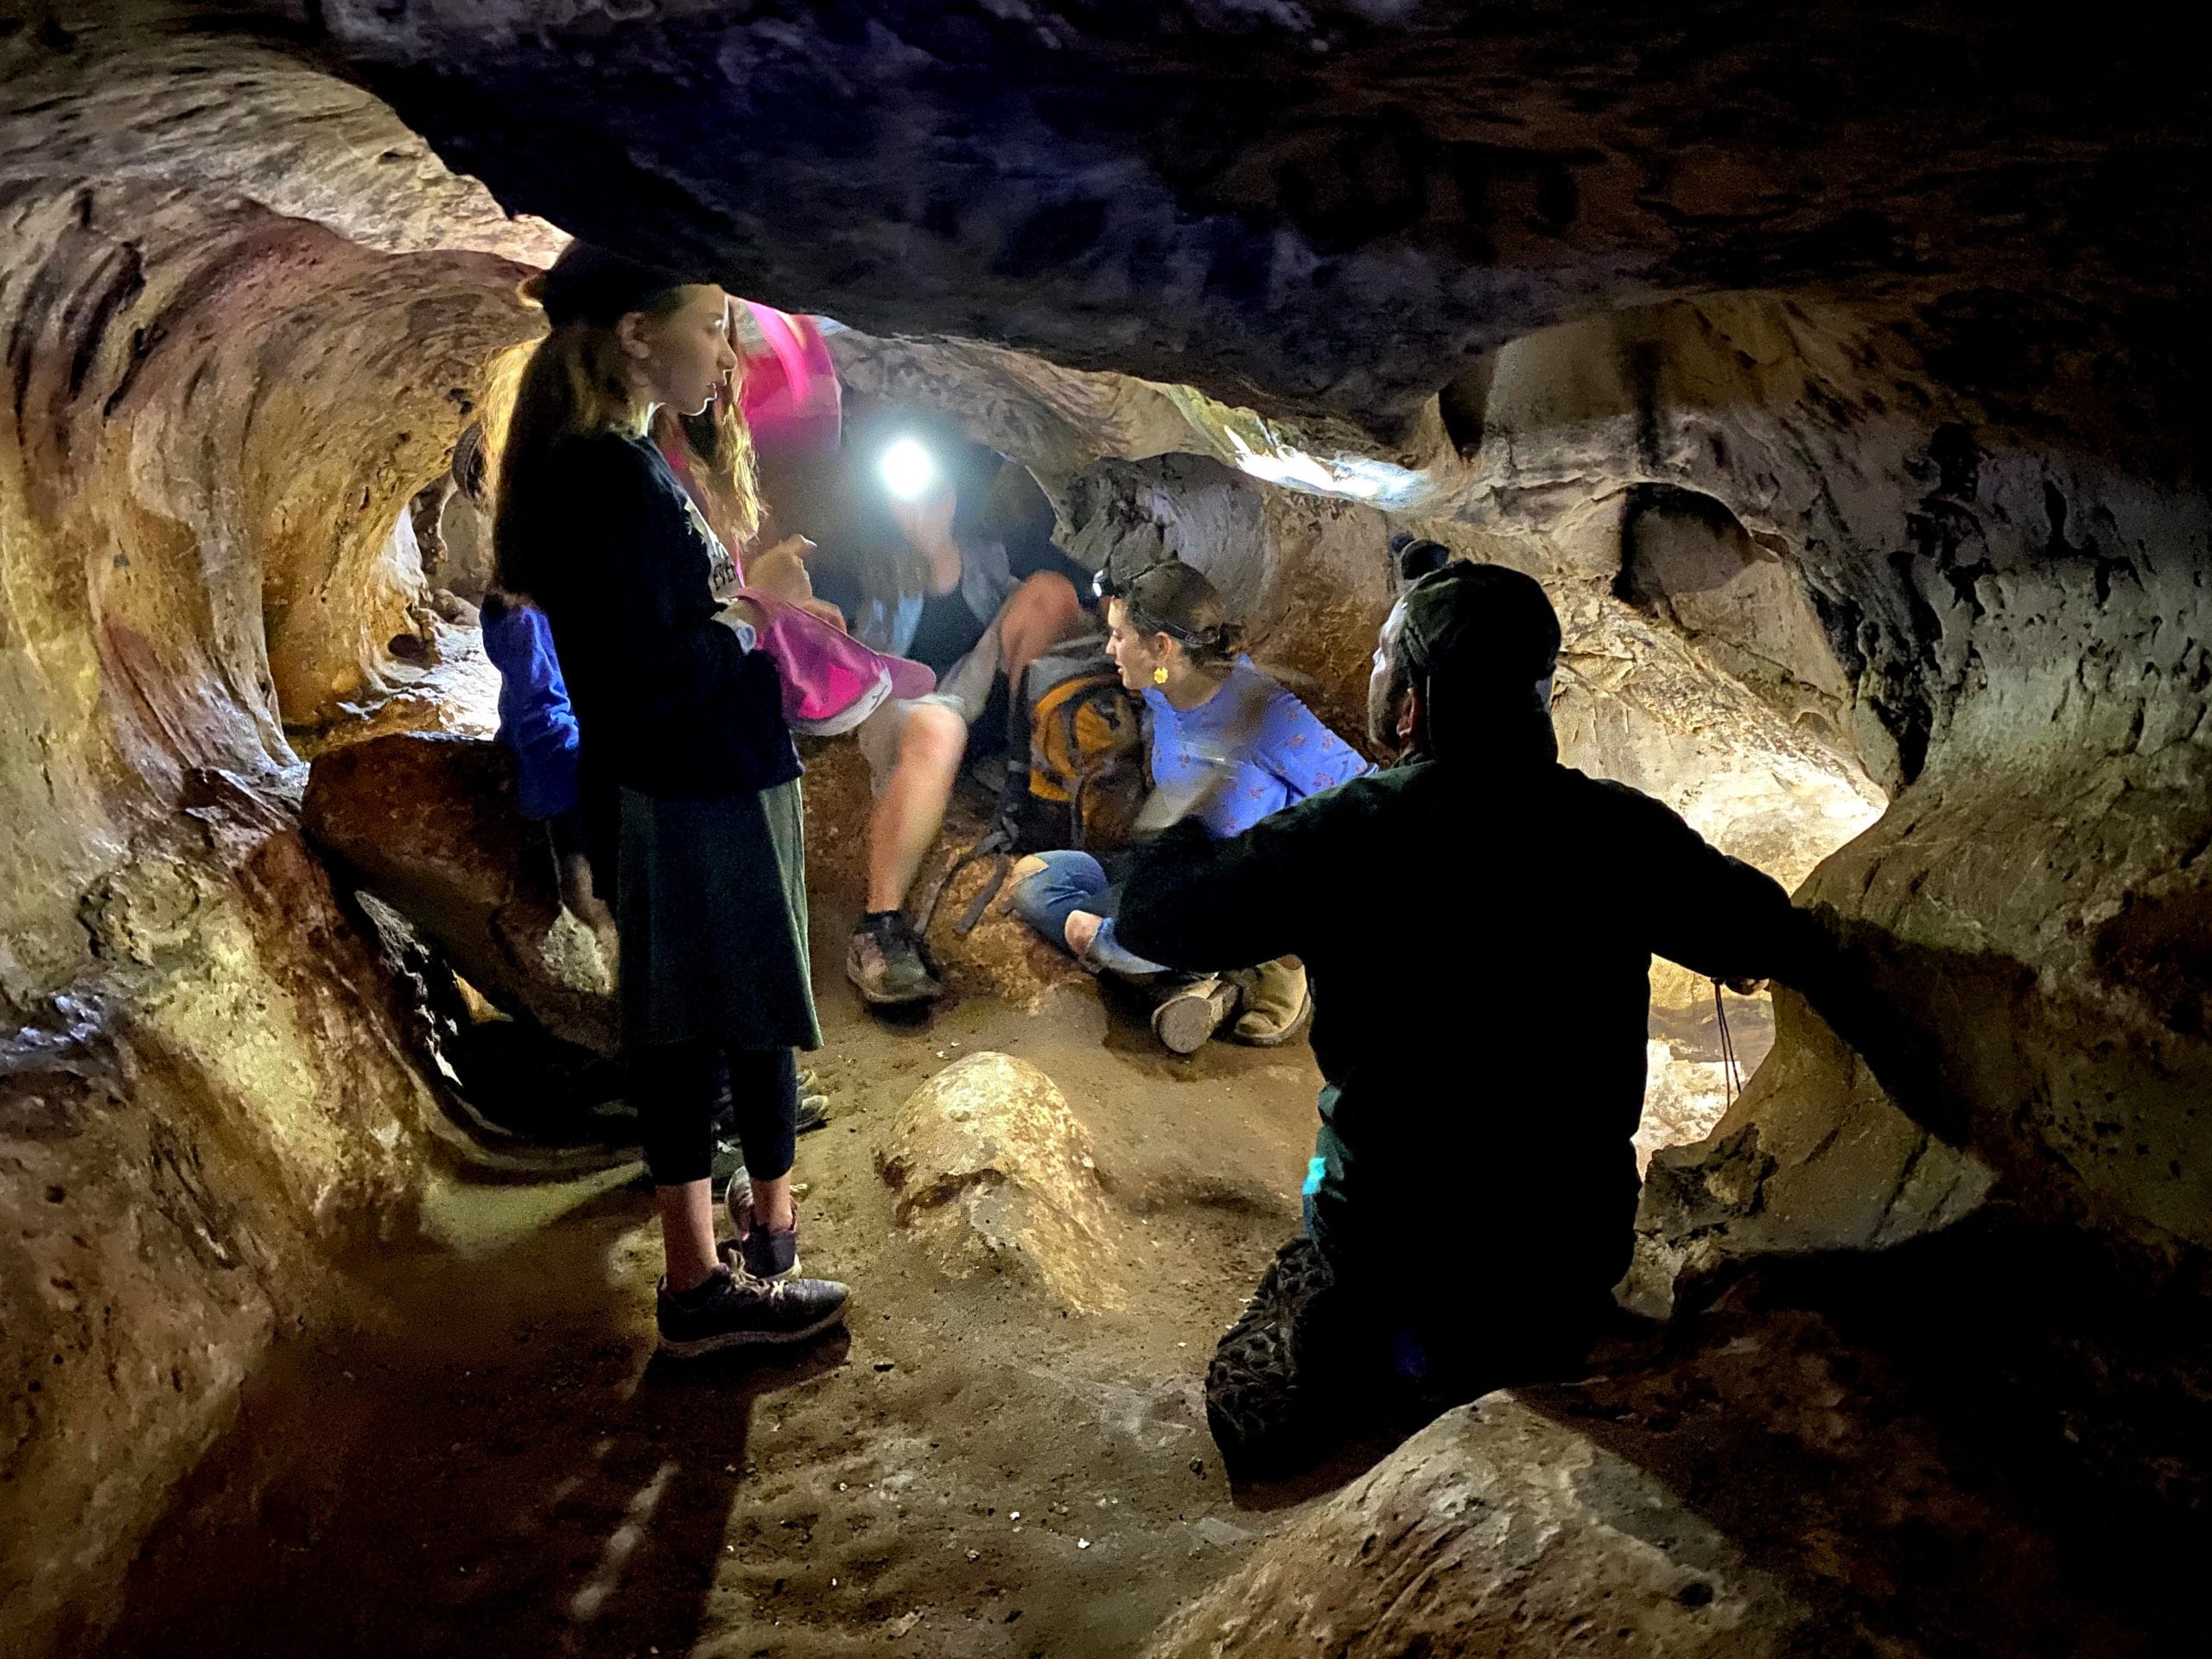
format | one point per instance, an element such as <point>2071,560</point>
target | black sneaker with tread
<point>732,1310</point>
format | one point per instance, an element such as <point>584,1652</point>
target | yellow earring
<point>1160,675</point>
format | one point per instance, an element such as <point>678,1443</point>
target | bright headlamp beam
<point>907,469</point>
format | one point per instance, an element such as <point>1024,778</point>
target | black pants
<point>677,1088</point>
<point>1317,1358</point>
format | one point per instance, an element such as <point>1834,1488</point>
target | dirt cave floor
<point>487,1459</point>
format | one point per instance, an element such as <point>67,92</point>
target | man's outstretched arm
<point>1193,902</point>
<point>1717,915</point>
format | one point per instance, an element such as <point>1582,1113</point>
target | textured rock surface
<point>991,1169</point>
<point>187,1138</point>
<point>243,312</point>
<point>1495,1531</point>
<point>1233,195</point>
<point>429,823</point>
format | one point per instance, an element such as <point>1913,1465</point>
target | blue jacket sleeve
<point>535,719</point>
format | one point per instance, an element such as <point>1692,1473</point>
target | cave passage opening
<point>1853,443</point>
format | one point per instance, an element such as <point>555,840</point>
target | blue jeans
<point>1071,882</point>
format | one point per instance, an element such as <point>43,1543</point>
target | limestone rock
<point>989,1167</point>
<point>1495,1533</point>
<point>1284,205</point>
<point>429,823</point>
<point>187,1138</point>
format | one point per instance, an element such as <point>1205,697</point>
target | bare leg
<point>687,1232</point>
<point>911,810</point>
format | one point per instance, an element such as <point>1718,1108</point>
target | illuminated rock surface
<point>991,1170</point>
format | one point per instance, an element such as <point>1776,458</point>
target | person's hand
<point>791,547</point>
<point>1745,987</point>
<point>822,611</point>
<point>927,522</point>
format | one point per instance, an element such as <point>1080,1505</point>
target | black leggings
<point>677,1088</point>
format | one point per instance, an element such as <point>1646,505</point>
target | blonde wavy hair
<point>718,444</point>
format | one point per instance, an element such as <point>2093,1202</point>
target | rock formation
<point>989,1169</point>
<point>429,824</point>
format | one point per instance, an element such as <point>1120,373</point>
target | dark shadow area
<point>1992,1440</point>
<point>415,1486</point>
<point>1339,1469</point>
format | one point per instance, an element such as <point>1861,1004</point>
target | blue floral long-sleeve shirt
<point>1249,750</point>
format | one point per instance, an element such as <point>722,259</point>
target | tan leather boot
<point>1276,1002</point>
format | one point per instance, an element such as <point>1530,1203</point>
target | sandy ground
<point>487,1460</point>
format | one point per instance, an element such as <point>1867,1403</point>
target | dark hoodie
<point>1478,925</point>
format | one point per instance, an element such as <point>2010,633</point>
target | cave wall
<point>1234,196</point>
<point>234,346</point>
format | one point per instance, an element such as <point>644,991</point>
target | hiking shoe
<point>813,1113</point>
<point>1186,1021</point>
<point>731,1310</point>
<point>885,961</point>
<point>1268,1391</point>
<point>1276,1003</point>
<point>764,1254</point>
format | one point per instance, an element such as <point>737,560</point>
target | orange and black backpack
<point>1084,779</point>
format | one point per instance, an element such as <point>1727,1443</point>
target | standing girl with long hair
<point>690,779</point>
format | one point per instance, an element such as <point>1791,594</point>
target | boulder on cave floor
<point>991,1169</point>
<point>1493,1531</point>
<point>428,822</point>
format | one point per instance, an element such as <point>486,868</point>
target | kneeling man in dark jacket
<point>1477,921</point>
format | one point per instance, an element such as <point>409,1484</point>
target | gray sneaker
<point>885,960</point>
<point>732,1309</point>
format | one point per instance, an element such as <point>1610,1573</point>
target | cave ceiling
<point>1329,210</point>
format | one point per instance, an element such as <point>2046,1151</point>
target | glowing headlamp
<point>907,469</point>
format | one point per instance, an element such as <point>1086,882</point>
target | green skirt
<point>713,914</point>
